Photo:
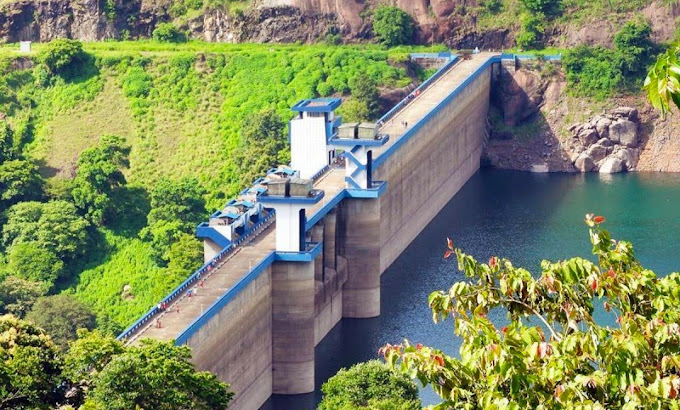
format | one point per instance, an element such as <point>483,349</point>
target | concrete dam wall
<point>264,309</point>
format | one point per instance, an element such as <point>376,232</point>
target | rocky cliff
<point>536,125</point>
<point>264,21</point>
<point>452,22</point>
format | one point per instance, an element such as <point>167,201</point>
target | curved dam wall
<point>262,338</point>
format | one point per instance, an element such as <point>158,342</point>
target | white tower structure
<point>290,204</point>
<point>310,132</point>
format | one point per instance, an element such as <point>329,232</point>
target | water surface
<point>522,216</point>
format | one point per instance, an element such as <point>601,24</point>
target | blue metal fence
<point>391,113</point>
<point>193,278</point>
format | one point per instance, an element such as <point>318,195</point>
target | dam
<point>305,247</point>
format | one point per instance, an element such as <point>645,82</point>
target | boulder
<point>602,127</point>
<point>588,136</point>
<point>611,165</point>
<point>624,132</point>
<point>604,142</point>
<point>628,156</point>
<point>626,112</point>
<point>584,163</point>
<point>596,152</point>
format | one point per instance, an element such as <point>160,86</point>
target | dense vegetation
<point>98,372</point>
<point>552,353</point>
<point>370,385</point>
<point>601,72</point>
<point>112,153</point>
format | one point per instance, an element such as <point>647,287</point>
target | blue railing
<point>207,267</point>
<point>418,125</point>
<point>442,55</point>
<point>547,57</point>
<point>391,113</point>
<point>313,250</point>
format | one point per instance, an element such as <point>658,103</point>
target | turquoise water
<point>522,216</point>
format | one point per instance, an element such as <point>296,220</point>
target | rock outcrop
<point>521,93</point>
<point>607,143</point>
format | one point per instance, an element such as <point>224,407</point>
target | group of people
<point>164,305</point>
<point>404,124</point>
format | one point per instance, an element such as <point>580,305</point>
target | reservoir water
<point>521,216</point>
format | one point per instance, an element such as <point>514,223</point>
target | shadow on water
<point>522,216</point>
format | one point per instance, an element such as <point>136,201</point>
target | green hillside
<point>181,110</point>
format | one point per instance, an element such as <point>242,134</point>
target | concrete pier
<point>293,316</point>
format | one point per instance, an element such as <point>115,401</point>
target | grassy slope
<point>187,125</point>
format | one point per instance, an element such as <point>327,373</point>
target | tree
<point>156,375</point>
<point>30,261</point>
<point>168,33</point>
<point>19,181</point>
<point>184,255</point>
<point>30,366</point>
<point>88,355</point>
<point>7,151</point>
<point>354,110</point>
<point>370,385</point>
<point>98,177</point>
<point>176,208</point>
<point>567,360</point>
<point>635,47</point>
<point>663,80</point>
<point>531,30</point>
<point>61,316</point>
<point>18,295</point>
<point>392,26</point>
<point>365,90</point>
<point>55,226</point>
<point>264,140</point>
<point>63,56</point>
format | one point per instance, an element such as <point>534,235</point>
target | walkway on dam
<point>183,311</point>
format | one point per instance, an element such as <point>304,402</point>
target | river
<point>521,216</point>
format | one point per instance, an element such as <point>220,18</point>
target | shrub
<point>491,6</point>
<point>333,39</point>
<point>63,56</point>
<point>634,46</point>
<point>548,8</point>
<point>137,83</point>
<point>369,385</point>
<point>392,26</point>
<point>324,89</point>
<point>168,33</point>
<point>552,352</point>
<point>530,32</point>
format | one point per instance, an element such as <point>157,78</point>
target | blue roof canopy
<point>317,105</point>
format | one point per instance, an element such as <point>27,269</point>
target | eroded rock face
<point>265,25</point>
<point>607,143</point>
<point>87,20</point>
<point>520,94</point>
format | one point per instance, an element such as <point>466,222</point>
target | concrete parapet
<point>293,319</point>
